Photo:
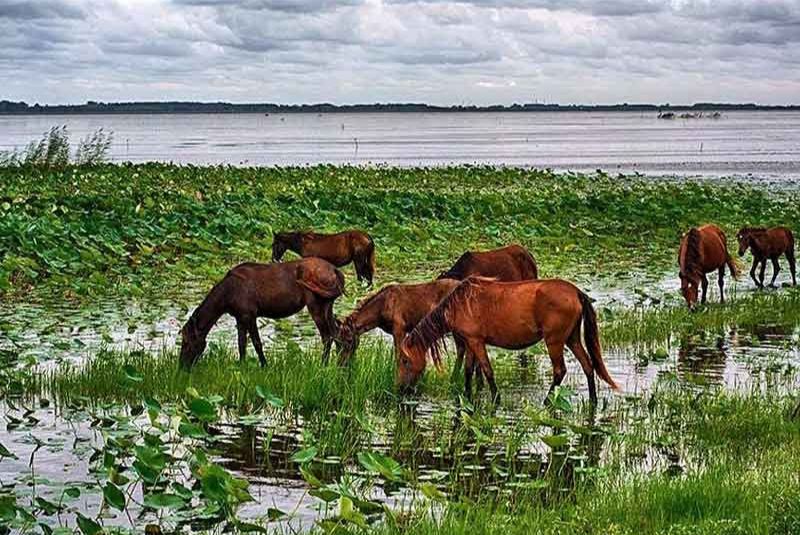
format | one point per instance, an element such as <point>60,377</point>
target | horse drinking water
<point>703,250</point>
<point>250,291</point>
<point>768,243</point>
<point>339,249</point>
<point>395,309</point>
<point>511,315</point>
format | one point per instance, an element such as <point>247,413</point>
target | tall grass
<point>52,151</point>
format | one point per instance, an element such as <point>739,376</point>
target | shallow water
<point>767,357</point>
<point>763,145</point>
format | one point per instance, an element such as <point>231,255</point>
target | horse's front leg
<point>241,329</point>
<point>478,352</point>
<point>776,268</point>
<point>753,271</point>
<point>761,272</point>
<point>704,284</point>
<point>252,327</point>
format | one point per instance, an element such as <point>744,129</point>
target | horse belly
<point>281,307</point>
<point>515,337</point>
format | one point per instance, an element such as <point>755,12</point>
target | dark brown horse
<point>395,309</point>
<point>703,250</point>
<point>511,315</point>
<point>251,291</point>
<point>508,264</point>
<point>767,243</point>
<point>339,249</point>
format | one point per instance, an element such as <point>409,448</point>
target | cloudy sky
<point>436,51</point>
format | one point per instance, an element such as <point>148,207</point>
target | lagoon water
<point>760,145</point>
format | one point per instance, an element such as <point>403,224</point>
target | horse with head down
<point>250,291</point>
<point>703,250</point>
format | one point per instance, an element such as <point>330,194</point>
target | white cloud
<point>438,51</point>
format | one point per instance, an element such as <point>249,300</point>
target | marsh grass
<point>647,326</point>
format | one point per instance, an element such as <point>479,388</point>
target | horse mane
<point>429,332</point>
<point>691,256</point>
<point>753,230</point>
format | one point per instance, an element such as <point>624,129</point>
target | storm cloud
<point>436,51</point>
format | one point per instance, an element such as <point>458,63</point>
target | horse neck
<point>367,316</point>
<point>210,310</point>
<point>691,264</point>
<point>295,242</point>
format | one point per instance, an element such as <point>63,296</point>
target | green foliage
<point>133,227</point>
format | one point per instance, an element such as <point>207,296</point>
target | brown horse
<point>395,309</point>
<point>338,249</point>
<point>511,315</point>
<point>509,264</point>
<point>703,250</point>
<point>767,243</point>
<point>250,291</point>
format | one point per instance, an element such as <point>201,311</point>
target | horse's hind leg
<point>721,283</point>
<point>790,260</point>
<point>586,363</point>
<point>776,268</point>
<point>252,327</point>
<point>556,352</point>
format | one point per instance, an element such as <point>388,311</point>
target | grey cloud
<point>40,9</point>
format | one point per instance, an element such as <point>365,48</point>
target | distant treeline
<point>8,108</point>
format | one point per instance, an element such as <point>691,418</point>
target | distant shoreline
<point>102,108</point>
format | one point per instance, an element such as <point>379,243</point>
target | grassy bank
<point>138,228</point>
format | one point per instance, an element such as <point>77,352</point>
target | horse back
<point>713,247</point>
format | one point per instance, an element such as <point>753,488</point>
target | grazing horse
<point>339,249</point>
<point>250,291</point>
<point>511,315</point>
<point>395,309</point>
<point>767,243</point>
<point>703,250</point>
<point>508,264</point>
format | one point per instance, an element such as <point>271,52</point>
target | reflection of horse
<point>511,315</point>
<point>768,243</point>
<point>339,249</point>
<point>703,250</point>
<point>251,291</point>
<point>508,264</point>
<point>700,357</point>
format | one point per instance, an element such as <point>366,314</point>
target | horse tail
<point>369,260</point>
<point>592,337</point>
<point>530,261</point>
<point>330,289</point>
